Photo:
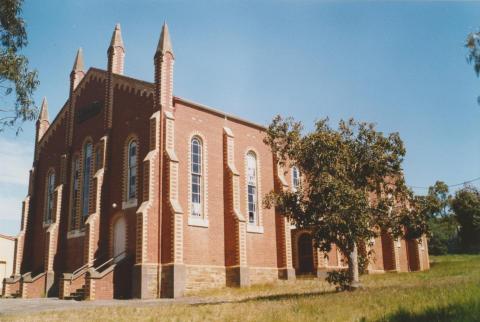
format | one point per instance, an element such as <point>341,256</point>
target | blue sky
<point>399,64</point>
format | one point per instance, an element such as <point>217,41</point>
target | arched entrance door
<point>305,254</point>
<point>119,238</point>
<point>412,255</point>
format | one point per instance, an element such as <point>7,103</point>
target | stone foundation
<point>199,277</point>
<point>237,276</point>
<point>173,280</point>
<point>287,274</point>
<point>261,275</point>
<point>145,281</point>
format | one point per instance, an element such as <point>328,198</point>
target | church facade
<point>135,192</point>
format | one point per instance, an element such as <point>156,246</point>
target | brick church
<point>135,192</point>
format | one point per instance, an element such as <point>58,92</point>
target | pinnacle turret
<point>117,40</point>
<point>42,123</point>
<point>43,116</point>
<point>78,64</point>
<point>116,52</point>
<point>164,44</point>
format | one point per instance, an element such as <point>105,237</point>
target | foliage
<point>466,206</point>
<point>15,77</point>
<point>473,45</point>
<point>340,278</point>
<point>434,205</point>
<point>443,236</point>
<point>352,183</point>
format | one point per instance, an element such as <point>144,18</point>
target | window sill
<point>254,229</point>
<point>75,233</point>
<point>198,222</point>
<point>47,224</point>
<point>129,204</point>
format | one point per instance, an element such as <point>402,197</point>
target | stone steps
<point>13,296</point>
<point>78,295</point>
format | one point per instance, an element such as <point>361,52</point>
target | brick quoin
<point>167,251</point>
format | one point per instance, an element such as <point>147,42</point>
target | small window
<point>50,194</point>
<point>75,191</point>
<point>252,187</point>
<point>295,178</point>
<point>196,173</point>
<point>132,170</point>
<point>87,169</point>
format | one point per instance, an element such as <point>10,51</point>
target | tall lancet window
<point>87,170</point>
<point>252,188</point>
<point>49,194</point>
<point>295,178</point>
<point>196,173</point>
<point>75,191</point>
<point>132,170</point>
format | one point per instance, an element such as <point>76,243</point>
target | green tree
<point>443,235</point>
<point>442,224</point>
<point>466,206</point>
<point>352,185</point>
<point>17,82</point>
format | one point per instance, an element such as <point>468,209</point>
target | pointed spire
<point>43,116</point>
<point>78,64</point>
<point>42,122</point>
<point>116,52</point>
<point>77,73</point>
<point>117,40</point>
<point>164,44</point>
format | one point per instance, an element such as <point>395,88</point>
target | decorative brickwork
<point>176,209</point>
<point>284,240</point>
<point>92,224</point>
<point>20,240</point>
<point>236,239</point>
<point>51,234</point>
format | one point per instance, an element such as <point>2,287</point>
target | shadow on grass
<point>468,311</point>
<point>273,297</point>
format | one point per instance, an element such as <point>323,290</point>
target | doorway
<point>305,254</point>
<point>119,238</point>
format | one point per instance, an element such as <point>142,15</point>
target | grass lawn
<point>450,291</point>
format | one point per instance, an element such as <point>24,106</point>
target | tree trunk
<point>353,268</point>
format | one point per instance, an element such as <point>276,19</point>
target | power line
<point>451,185</point>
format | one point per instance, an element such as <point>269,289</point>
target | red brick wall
<point>34,289</point>
<point>377,255</point>
<point>49,157</point>
<point>206,245</point>
<point>402,251</point>
<point>202,245</point>
<point>103,287</point>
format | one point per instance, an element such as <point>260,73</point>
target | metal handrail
<point>78,270</point>
<point>90,264</point>
<point>110,260</point>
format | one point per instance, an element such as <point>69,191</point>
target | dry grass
<point>449,292</point>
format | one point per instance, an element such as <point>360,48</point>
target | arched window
<point>87,170</point>
<point>75,191</point>
<point>196,173</point>
<point>252,187</point>
<point>49,202</point>
<point>295,178</point>
<point>132,170</point>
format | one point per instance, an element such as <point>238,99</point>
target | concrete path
<point>22,306</point>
